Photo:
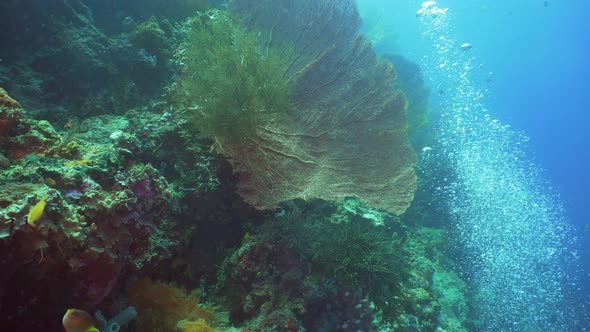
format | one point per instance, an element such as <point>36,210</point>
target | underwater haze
<point>290,166</point>
<point>510,93</point>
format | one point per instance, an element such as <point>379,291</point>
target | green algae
<point>232,85</point>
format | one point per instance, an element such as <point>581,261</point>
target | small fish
<point>76,320</point>
<point>50,182</point>
<point>36,213</point>
<point>466,46</point>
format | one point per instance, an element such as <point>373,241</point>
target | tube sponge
<point>114,324</point>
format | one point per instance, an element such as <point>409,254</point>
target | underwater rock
<point>269,287</point>
<point>105,214</point>
<point>434,297</point>
<point>19,134</point>
<point>8,103</point>
<point>74,65</point>
<point>10,112</point>
<point>410,80</point>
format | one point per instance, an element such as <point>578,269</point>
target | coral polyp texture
<point>342,132</point>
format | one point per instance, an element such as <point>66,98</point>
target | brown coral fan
<point>346,132</point>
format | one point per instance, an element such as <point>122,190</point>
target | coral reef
<point>71,66</point>
<point>343,133</point>
<point>434,297</point>
<point>104,214</point>
<point>329,268</point>
<point>142,145</point>
<point>19,134</point>
<point>163,307</point>
<point>342,243</point>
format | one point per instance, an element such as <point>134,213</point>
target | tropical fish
<point>50,182</point>
<point>76,320</point>
<point>36,212</point>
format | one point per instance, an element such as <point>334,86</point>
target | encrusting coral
<point>19,134</point>
<point>75,225</point>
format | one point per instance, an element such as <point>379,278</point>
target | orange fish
<point>78,321</point>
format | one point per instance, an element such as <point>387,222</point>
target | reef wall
<point>113,195</point>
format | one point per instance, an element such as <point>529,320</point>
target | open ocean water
<point>510,95</point>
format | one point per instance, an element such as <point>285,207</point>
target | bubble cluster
<point>517,248</point>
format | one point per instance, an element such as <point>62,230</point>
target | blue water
<point>515,126</point>
<point>539,57</point>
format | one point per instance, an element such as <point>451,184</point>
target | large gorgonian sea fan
<point>344,132</point>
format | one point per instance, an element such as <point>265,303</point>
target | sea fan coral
<point>344,132</point>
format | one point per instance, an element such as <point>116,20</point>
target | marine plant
<point>357,253</point>
<point>236,88</point>
<point>151,37</point>
<point>297,101</point>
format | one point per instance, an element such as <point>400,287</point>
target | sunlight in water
<point>507,218</point>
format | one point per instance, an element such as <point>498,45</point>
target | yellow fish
<point>76,320</point>
<point>36,212</point>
